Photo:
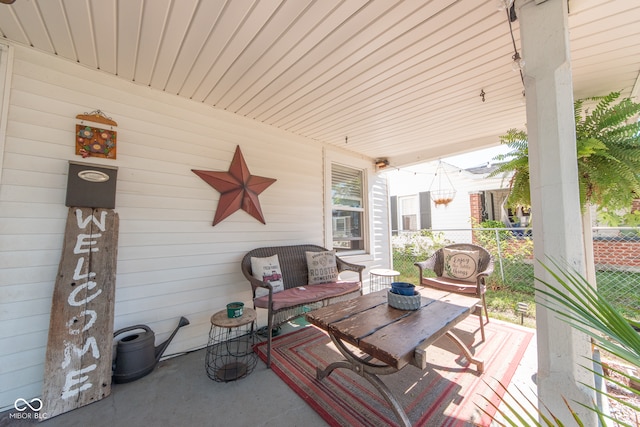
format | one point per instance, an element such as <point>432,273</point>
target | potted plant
<point>608,156</point>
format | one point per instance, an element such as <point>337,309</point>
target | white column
<point>556,216</point>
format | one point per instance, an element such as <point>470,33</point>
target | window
<point>493,202</point>
<point>409,213</point>
<point>347,208</point>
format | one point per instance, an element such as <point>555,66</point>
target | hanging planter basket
<point>441,189</point>
<point>443,197</point>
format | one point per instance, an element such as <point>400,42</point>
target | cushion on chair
<point>460,265</point>
<point>452,285</point>
<point>307,294</point>
<point>322,267</point>
<point>268,270</point>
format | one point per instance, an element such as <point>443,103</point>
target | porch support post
<point>556,216</point>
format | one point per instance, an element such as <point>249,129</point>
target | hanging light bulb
<point>503,4</point>
<point>518,63</point>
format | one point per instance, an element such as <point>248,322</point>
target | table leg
<point>479,363</point>
<point>368,371</point>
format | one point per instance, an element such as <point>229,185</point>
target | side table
<point>230,353</point>
<point>381,278</point>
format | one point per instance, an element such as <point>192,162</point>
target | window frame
<point>332,158</point>
<point>401,213</point>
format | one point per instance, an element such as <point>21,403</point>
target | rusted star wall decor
<point>238,188</point>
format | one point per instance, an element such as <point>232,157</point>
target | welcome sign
<point>78,360</point>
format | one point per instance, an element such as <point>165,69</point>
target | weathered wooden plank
<point>396,343</point>
<point>365,323</point>
<point>78,358</point>
<point>325,316</point>
<point>358,323</point>
<point>445,296</point>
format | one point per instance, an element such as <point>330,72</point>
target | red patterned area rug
<point>447,393</point>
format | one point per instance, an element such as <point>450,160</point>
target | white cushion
<point>322,267</point>
<point>268,270</point>
<point>460,265</point>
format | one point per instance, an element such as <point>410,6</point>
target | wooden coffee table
<point>391,338</point>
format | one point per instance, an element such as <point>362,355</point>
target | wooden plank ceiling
<point>387,79</point>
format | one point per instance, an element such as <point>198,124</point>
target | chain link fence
<point>616,256</point>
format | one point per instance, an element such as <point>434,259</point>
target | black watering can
<point>136,354</point>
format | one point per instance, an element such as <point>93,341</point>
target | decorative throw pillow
<point>322,267</point>
<point>268,270</point>
<point>461,265</point>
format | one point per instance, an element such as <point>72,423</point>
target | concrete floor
<point>179,393</point>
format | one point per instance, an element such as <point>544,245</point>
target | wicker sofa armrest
<point>255,283</point>
<point>261,284</point>
<point>487,271</point>
<point>347,266</point>
<point>428,264</point>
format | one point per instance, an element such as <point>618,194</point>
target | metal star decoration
<point>238,188</point>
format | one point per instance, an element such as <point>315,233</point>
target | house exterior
<point>171,261</point>
<point>477,196</point>
<point>414,80</point>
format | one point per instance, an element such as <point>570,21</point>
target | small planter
<point>403,288</point>
<point>234,309</point>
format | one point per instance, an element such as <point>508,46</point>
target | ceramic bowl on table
<point>404,302</point>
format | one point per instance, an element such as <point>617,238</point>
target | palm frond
<point>577,302</point>
<point>590,313</point>
<point>516,414</point>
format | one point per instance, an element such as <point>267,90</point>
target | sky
<point>476,158</point>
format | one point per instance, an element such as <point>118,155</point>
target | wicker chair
<point>293,263</point>
<point>484,268</point>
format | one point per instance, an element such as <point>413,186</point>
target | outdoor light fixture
<point>382,163</point>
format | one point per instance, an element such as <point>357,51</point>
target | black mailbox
<point>91,186</point>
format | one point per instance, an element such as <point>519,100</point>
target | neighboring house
<point>171,261</point>
<point>482,198</point>
<point>477,196</point>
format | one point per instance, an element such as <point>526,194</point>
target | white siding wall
<point>171,261</point>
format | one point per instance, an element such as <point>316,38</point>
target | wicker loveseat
<point>298,297</point>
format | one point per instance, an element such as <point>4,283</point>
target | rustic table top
<point>394,337</point>
<point>222,320</point>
